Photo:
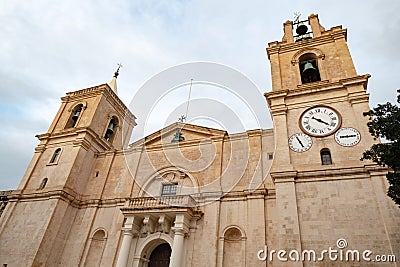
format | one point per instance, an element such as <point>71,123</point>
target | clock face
<point>320,121</point>
<point>300,142</point>
<point>347,137</point>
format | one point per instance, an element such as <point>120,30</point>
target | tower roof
<point>113,82</point>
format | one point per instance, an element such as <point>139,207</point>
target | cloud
<point>49,48</point>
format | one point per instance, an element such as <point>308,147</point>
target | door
<point>160,256</point>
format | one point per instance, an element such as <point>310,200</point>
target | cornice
<point>332,174</point>
<point>375,169</point>
<point>80,134</point>
<point>5,194</point>
<point>254,132</point>
<point>83,93</point>
<point>327,174</point>
<point>82,143</point>
<point>268,132</point>
<point>283,176</point>
<point>276,94</point>
<point>118,104</point>
<point>177,145</point>
<point>96,139</point>
<point>247,195</point>
<point>326,37</point>
<point>222,137</point>
<point>210,133</point>
<point>108,93</point>
<point>318,87</point>
<point>71,197</point>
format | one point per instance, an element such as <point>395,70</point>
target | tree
<point>384,122</point>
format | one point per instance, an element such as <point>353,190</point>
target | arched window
<point>326,158</point>
<point>43,184</point>
<point>111,128</point>
<point>55,156</point>
<point>309,71</point>
<point>75,113</point>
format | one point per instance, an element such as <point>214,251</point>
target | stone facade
<point>215,199</point>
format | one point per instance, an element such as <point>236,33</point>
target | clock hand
<point>299,141</point>
<point>319,120</point>
<point>347,136</point>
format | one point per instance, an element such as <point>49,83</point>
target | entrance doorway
<point>160,256</point>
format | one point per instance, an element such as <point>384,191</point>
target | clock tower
<point>317,103</point>
<point>315,92</point>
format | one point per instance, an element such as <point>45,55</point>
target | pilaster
<point>287,212</point>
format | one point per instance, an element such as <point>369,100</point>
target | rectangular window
<point>169,189</point>
<point>270,156</point>
<point>326,159</point>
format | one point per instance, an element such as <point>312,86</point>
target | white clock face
<point>347,137</point>
<point>300,142</point>
<point>320,121</point>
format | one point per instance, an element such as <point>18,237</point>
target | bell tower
<point>317,103</point>
<point>88,122</point>
<point>317,99</point>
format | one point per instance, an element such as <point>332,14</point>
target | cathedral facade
<point>188,195</point>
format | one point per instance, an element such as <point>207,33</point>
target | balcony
<point>161,203</point>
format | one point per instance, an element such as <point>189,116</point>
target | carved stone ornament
<point>164,223</point>
<point>149,224</point>
<point>319,54</point>
<point>174,176</point>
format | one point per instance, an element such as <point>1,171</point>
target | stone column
<point>130,228</point>
<point>181,228</point>
<point>123,255</point>
<point>177,248</point>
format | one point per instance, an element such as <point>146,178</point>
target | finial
<point>116,73</point>
<point>178,135</point>
<point>297,15</point>
<point>113,82</point>
<point>182,118</point>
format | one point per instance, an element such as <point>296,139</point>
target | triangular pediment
<point>190,132</point>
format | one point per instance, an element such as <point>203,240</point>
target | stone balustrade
<point>178,201</point>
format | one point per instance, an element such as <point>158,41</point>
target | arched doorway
<point>160,256</point>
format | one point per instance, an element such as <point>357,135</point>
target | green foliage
<point>385,123</point>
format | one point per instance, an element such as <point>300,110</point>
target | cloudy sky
<point>49,48</point>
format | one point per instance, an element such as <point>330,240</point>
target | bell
<point>110,129</point>
<point>309,73</point>
<point>301,29</point>
<point>76,115</point>
<point>309,69</point>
